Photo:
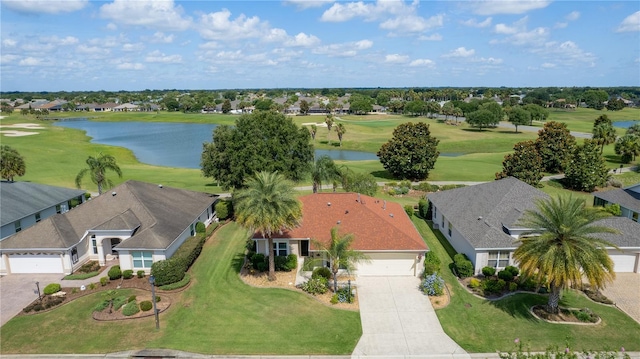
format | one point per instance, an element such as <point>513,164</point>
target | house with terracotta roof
<point>383,231</point>
<point>481,221</point>
<point>137,224</point>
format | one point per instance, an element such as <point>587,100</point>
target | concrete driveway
<point>398,321</point>
<point>18,290</point>
<point>625,293</point>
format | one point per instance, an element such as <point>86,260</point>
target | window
<point>94,244</point>
<point>142,259</point>
<point>450,226</point>
<point>193,226</point>
<point>634,216</point>
<point>435,213</point>
<point>599,202</point>
<point>281,248</point>
<point>74,255</point>
<point>498,259</point>
<point>442,221</point>
<point>58,208</point>
<point>18,226</point>
<point>38,218</point>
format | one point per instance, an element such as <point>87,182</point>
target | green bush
<point>262,266</point>
<point>114,272</point>
<point>224,209</point>
<point>179,284</point>
<point>104,281</point>
<point>118,302</point>
<point>189,251</point>
<point>513,270</point>
<point>323,272</point>
<point>493,286</point>
<point>130,309</point>
<point>409,209</point>
<point>131,299</point>
<point>334,299</point>
<point>140,274</point>
<point>256,259</point>
<point>52,288</point>
<point>158,299</point>
<point>474,283</point>
<point>90,266</point>
<point>430,268</point>
<point>431,257</point>
<point>513,286</point>
<point>505,275</point>
<point>168,271</point>
<point>315,286</point>
<point>292,262</point>
<point>488,271</point>
<point>528,283</point>
<point>426,187</point>
<point>463,266</point>
<point>146,305</point>
<point>127,274</point>
<point>285,263</point>
<point>451,186</point>
<point>423,208</point>
<point>100,306</point>
<point>432,285</point>
<point>201,228</point>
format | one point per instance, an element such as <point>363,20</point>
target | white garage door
<point>391,264</point>
<point>35,263</point>
<point>623,263</point>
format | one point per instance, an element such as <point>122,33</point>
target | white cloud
<point>489,60</point>
<point>422,63</point>
<point>412,23</point>
<point>9,42</point>
<point>111,26</point>
<point>347,49</point>
<point>130,66</point>
<point>210,45</point>
<point>157,56</point>
<point>548,65</point>
<point>54,40</point>
<point>344,12</point>
<point>460,52</point>
<point>396,58</point>
<point>474,23</point>
<point>132,47</point>
<point>573,16</point>
<point>630,23</point>
<point>303,40</point>
<point>535,37</point>
<point>568,52</point>
<point>8,59</point>
<point>45,6</point>
<point>153,14</point>
<point>219,26</point>
<point>432,37</point>
<point>561,25</point>
<point>493,7</point>
<point>517,26</point>
<point>305,4</point>
<point>30,61</point>
<point>160,38</point>
<point>95,51</point>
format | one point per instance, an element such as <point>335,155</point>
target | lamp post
<point>152,281</point>
<point>38,287</point>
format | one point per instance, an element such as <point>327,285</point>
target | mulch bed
<point>565,315</point>
<point>141,295</point>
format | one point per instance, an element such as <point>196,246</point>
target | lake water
<point>170,144</point>
<point>624,124</point>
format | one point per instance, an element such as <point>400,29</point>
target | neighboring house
<point>138,223</point>
<point>126,107</point>
<point>382,231</point>
<point>627,198</point>
<point>23,204</point>
<point>481,221</point>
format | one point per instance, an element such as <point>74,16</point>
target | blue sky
<point>49,45</point>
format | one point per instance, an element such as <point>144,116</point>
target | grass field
<point>217,314</point>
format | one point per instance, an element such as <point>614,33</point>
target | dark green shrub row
<point>423,208</point>
<point>224,209</point>
<point>323,272</point>
<point>52,288</point>
<point>260,262</point>
<point>45,303</point>
<point>146,305</point>
<point>409,209</point>
<point>493,286</point>
<point>183,282</point>
<point>130,309</point>
<point>488,271</point>
<point>462,265</point>
<point>431,263</point>
<point>115,272</point>
<point>80,276</point>
<point>127,274</point>
<point>173,270</point>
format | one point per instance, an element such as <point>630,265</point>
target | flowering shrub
<point>315,286</point>
<point>344,296</point>
<point>432,285</point>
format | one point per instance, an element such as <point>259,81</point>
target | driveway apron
<point>625,293</point>
<point>398,321</point>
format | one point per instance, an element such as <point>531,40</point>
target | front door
<point>304,248</point>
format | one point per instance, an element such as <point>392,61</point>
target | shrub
<point>90,266</point>
<point>130,309</point>
<point>53,301</point>
<point>334,299</point>
<point>615,183</point>
<point>505,275</point>
<point>131,299</point>
<point>177,285</point>
<point>292,262</point>
<point>52,288</point>
<point>409,209</point>
<point>513,286</point>
<point>118,302</point>
<point>426,187</point>
<point>201,228</point>
<point>189,251</point>
<point>114,272</point>
<point>146,305</point>
<point>431,257</point>
<point>323,272</point>
<point>168,271</point>
<point>423,208</point>
<point>92,286</point>
<point>128,274</point>
<point>262,266</point>
<point>140,274</point>
<point>585,315</point>
<point>430,268</point>
<point>344,296</point>
<point>100,306</point>
<point>463,265</point>
<point>74,290</point>
<point>614,209</point>
<point>256,259</point>
<point>493,286</point>
<point>315,286</point>
<point>474,283</point>
<point>432,285</point>
<point>38,307</point>
<point>451,186</point>
<point>513,270</point>
<point>158,299</point>
<point>104,281</point>
<point>224,209</point>
<point>488,271</point>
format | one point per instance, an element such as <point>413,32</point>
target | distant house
<point>382,231</point>
<point>627,198</point>
<point>481,221</point>
<point>137,223</point>
<point>23,204</point>
<point>126,107</point>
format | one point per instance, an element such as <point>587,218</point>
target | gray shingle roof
<point>624,197</point>
<point>160,214</point>
<point>22,199</point>
<point>629,236</point>
<point>479,212</point>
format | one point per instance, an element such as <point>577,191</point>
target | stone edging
<point>569,323</point>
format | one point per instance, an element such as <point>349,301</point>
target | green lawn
<point>217,314</point>
<point>483,326</point>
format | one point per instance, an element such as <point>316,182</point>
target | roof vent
<point>391,215</point>
<point>339,222</point>
<point>160,186</point>
<point>358,200</point>
<point>113,193</point>
<point>329,204</point>
<point>346,212</point>
<point>384,205</point>
<point>479,218</point>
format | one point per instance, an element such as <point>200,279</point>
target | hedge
<point>463,265</point>
<point>172,270</point>
<point>224,209</point>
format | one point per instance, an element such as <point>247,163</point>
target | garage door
<point>35,263</point>
<point>391,264</point>
<point>623,263</point>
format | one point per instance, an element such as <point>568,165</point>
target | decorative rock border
<point>556,322</point>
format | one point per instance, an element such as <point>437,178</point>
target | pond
<point>625,124</point>
<point>170,144</point>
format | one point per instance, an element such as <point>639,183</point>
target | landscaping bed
<point>566,315</point>
<point>140,296</point>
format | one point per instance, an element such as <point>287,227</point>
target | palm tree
<point>338,253</point>
<point>313,130</point>
<point>628,146</point>
<point>268,205</point>
<point>324,169</point>
<point>97,168</point>
<point>604,134</point>
<point>11,163</point>
<point>329,121</point>
<point>340,130</point>
<point>563,246</point>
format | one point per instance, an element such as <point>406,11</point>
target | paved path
<point>398,321</point>
<point>625,293</point>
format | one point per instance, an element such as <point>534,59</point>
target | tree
<point>538,113</point>
<point>329,122</point>
<point>555,145</point>
<point>616,105</point>
<point>361,106</point>
<point>304,107</point>
<point>447,109</point>
<point>564,246</point>
<point>634,129</point>
<point>339,254</point>
<point>97,170</point>
<point>268,205</point>
<point>628,146</point>
<point>411,153</point>
<point>324,169</point>
<point>604,133</point>
<point>226,106</point>
<point>340,130</point>
<point>261,141</point>
<point>313,130</point>
<point>595,98</point>
<point>586,169</point>
<point>519,116</point>
<point>482,118</point>
<point>358,182</point>
<point>495,108</point>
<point>433,108</point>
<point>415,108</point>
<point>524,164</point>
<point>11,163</point>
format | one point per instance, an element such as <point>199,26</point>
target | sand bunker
<point>321,124</point>
<point>11,133</point>
<point>17,133</point>
<point>28,126</point>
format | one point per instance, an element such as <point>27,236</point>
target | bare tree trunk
<point>554,299</point>
<point>335,281</point>
<point>272,260</point>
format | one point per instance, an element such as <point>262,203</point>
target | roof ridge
<point>142,204</point>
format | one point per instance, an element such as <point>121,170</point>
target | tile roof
<point>160,215</point>
<point>479,212</point>
<point>376,224</point>
<point>626,197</point>
<point>21,199</point>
